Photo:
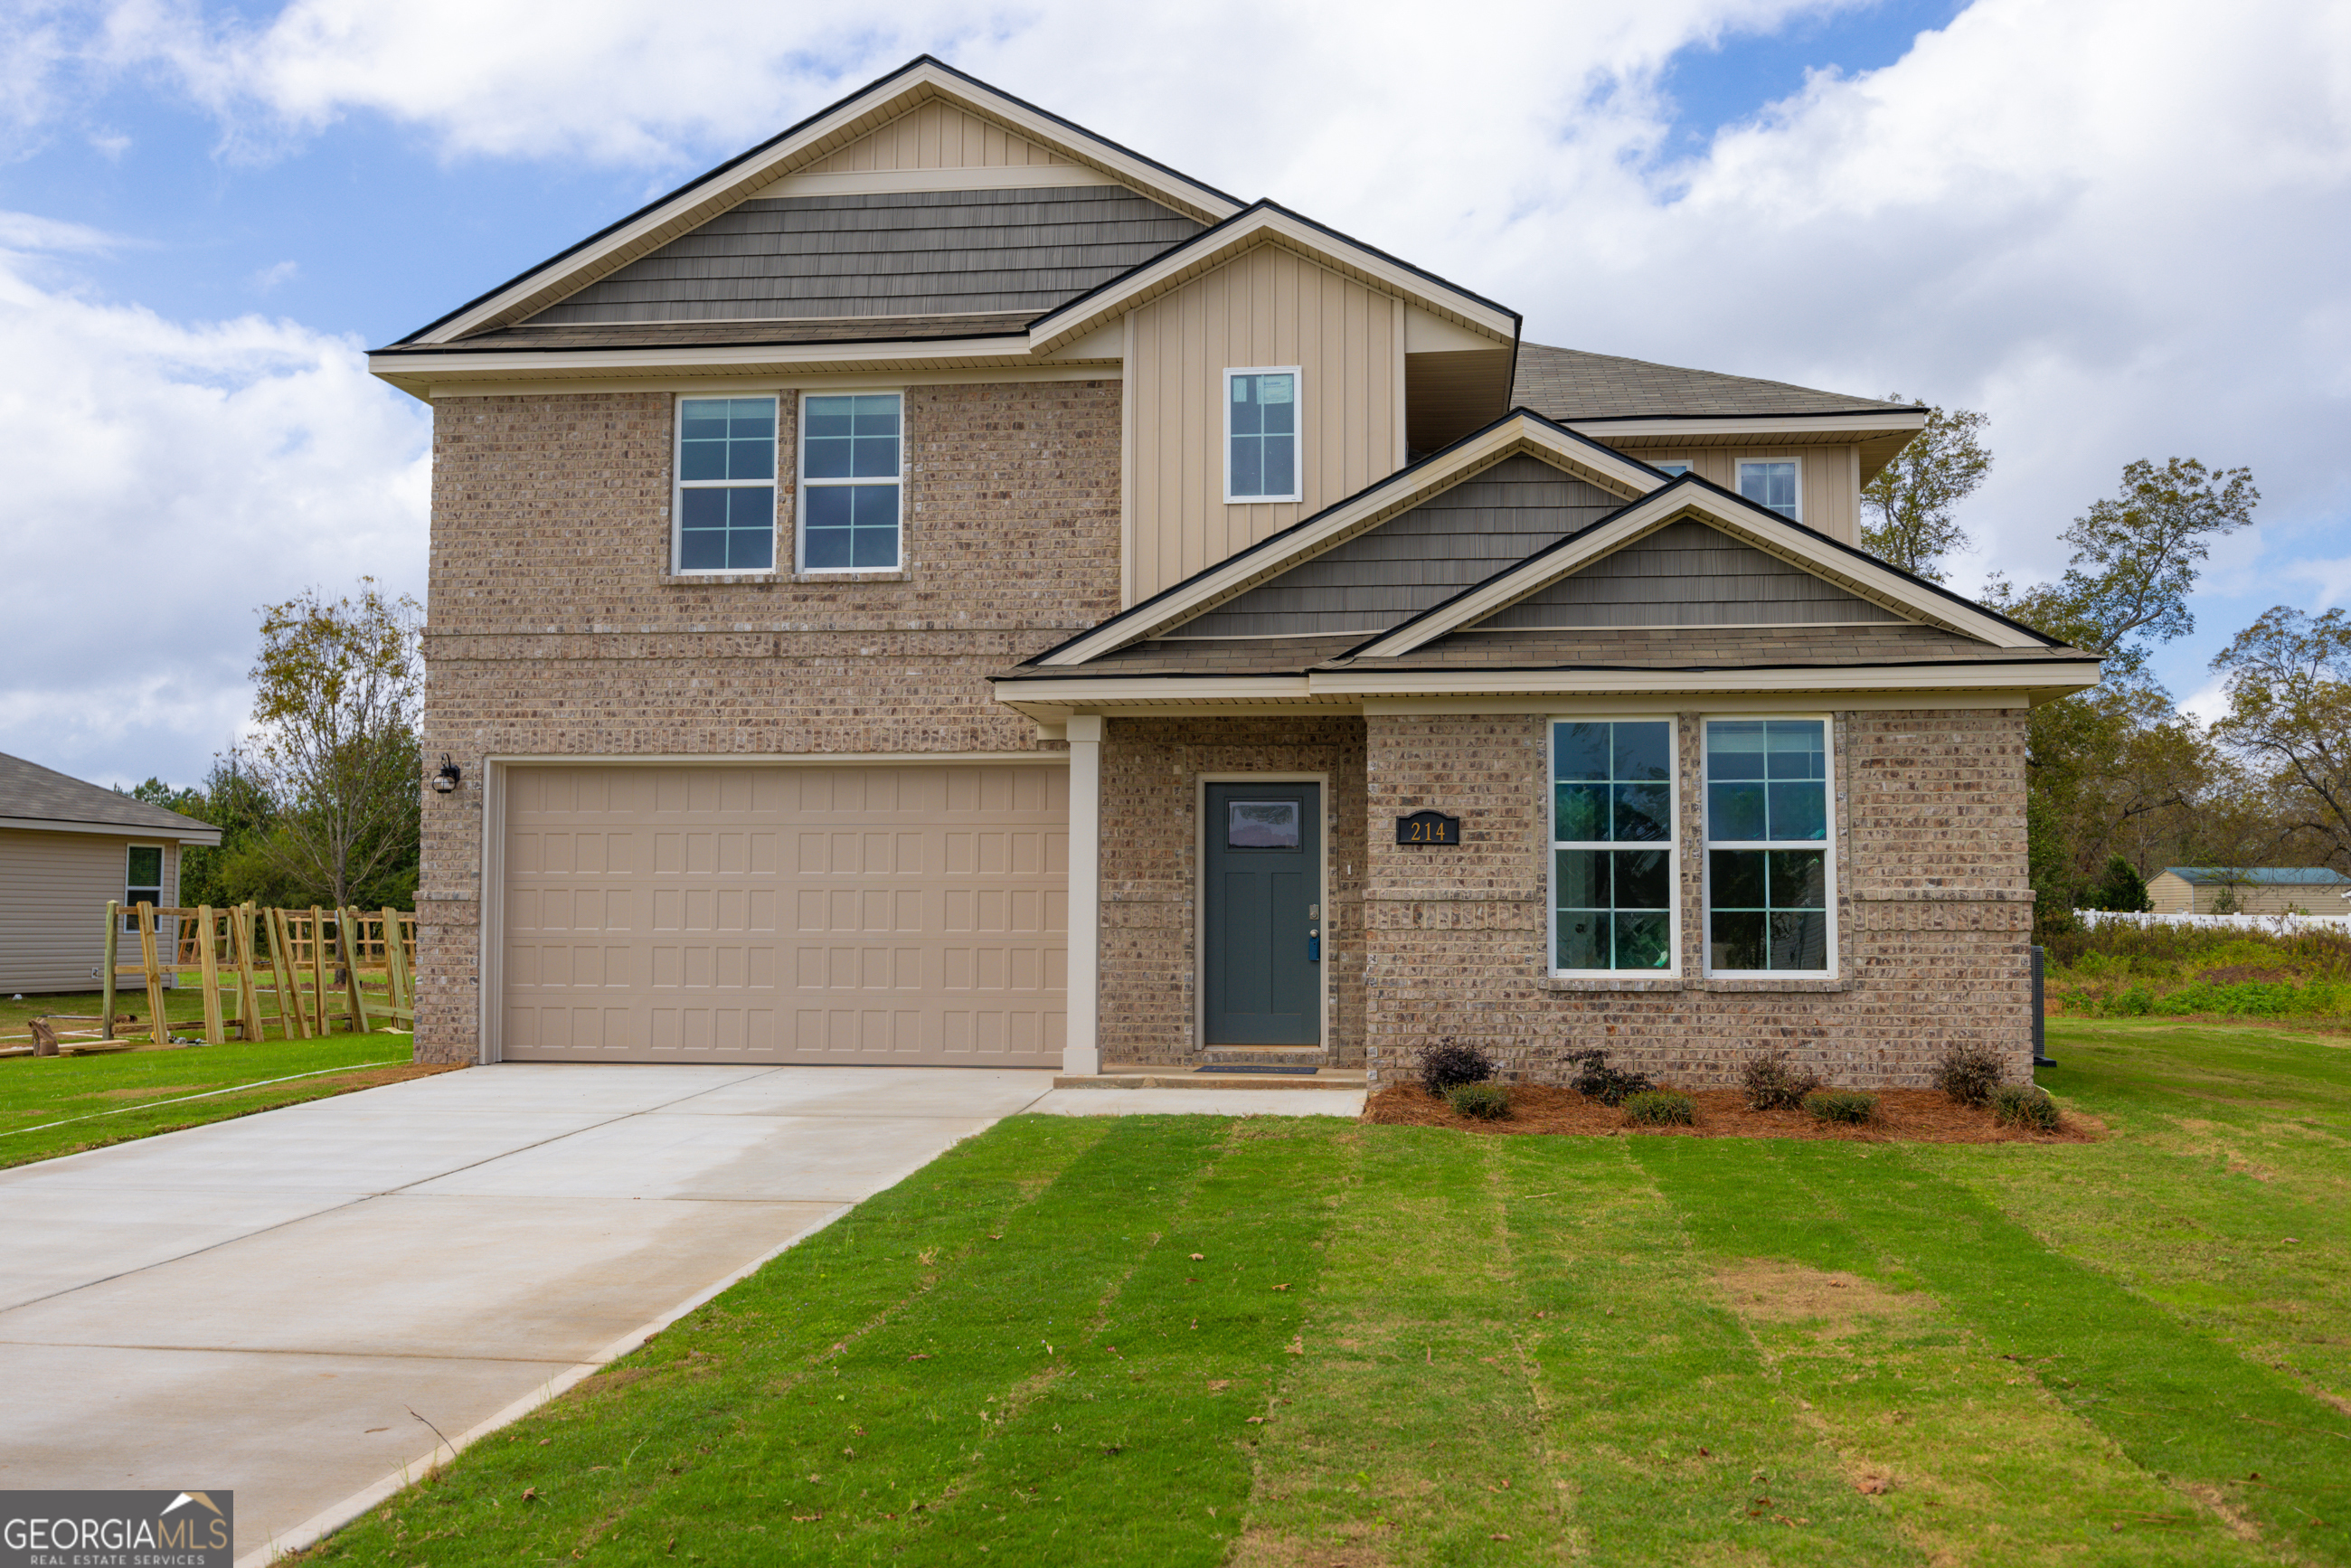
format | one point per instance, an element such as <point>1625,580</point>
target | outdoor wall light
<point>448,779</point>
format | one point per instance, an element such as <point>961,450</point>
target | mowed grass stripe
<point>1408,1432</point>
<point>2177,1403</point>
<point>611,1447</point>
<point>1136,1453</point>
<point>854,1466</point>
<point>1677,1440</point>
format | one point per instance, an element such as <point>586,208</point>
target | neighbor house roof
<point>32,796</point>
<point>1571,385</point>
<point>2264,875</point>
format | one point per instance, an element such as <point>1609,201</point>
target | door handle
<point>1313,932</point>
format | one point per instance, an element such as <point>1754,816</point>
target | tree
<point>2121,889</point>
<point>1912,496</point>
<point>335,703</point>
<point>2288,679</point>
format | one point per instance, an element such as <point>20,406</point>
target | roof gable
<point>33,794</point>
<point>1689,573</point>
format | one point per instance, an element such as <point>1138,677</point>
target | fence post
<point>353,937</point>
<point>159,1032</point>
<point>248,992</point>
<point>208,969</point>
<point>113,945</point>
<point>284,978</point>
<point>396,978</point>
<point>318,969</point>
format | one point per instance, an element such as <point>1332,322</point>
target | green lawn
<point>102,1099</point>
<point>1416,1346</point>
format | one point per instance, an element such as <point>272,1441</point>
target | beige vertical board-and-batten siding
<point>936,136</point>
<point>1829,479</point>
<point>1269,307</point>
<point>53,891</point>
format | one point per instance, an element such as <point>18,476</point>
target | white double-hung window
<point>1612,883</point>
<point>1261,434</point>
<point>1773,485</point>
<point>1771,875</point>
<point>725,509</point>
<point>142,878</point>
<point>852,452</point>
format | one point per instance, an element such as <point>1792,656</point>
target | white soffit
<point>1752,526</point>
<point>884,181</point>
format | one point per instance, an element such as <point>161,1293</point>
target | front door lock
<point>1314,934</point>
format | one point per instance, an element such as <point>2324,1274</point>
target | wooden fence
<point>295,971</point>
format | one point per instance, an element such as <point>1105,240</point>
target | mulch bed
<point>1904,1116</point>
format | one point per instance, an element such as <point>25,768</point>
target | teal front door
<point>1262,924</point>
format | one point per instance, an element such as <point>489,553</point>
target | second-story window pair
<point>851,469</point>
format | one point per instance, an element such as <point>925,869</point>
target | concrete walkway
<point>258,1305</point>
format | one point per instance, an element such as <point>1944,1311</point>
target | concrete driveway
<point>258,1305</point>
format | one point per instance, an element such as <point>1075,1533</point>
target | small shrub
<point>1479,1102</point>
<point>1595,1080</point>
<point>1453,1061</point>
<point>1849,1106</point>
<point>1969,1073</point>
<point>1774,1083</point>
<point>1660,1108</point>
<point>2025,1106</point>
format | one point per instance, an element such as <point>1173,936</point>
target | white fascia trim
<point>1255,229</point>
<point>1091,694</point>
<point>1623,475</point>
<point>1762,426</point>
<point>112,830</point>
<point>750,357</point>
<point>1764,529</point>
<point>926,80</point>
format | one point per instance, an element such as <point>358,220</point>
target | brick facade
<point>1933,914</point>
<point>557,630</point>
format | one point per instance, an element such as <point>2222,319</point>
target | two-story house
<point>943,588</point>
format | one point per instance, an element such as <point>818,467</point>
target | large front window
<point>1611,845</point>
<point>1768,870</point>
<point>1261,435</point>
<point>725,503</point>
<point>850,448</point>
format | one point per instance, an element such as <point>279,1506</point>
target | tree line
<point>2120,782</point>
<point>321,803</point>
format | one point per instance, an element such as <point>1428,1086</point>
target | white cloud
<point>270,277</point>
<point>164,480</point>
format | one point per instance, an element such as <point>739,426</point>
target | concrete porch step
<point>1182,1075</point>
<point>1265,1056</point>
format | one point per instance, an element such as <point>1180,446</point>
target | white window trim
<point>1551,845</point>
<point>1827,843</point>
<point>1737,479</point>
<point>1686,465</point>
<point>162,880</point>
<point>802,484</point>
<point>679,484</point>
<point>1297,465</point>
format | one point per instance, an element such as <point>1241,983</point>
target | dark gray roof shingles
<point>1568,384</point>
<point>722,334</point>
<point>30,791</point>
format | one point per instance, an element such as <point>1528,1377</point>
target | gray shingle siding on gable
<point>909,252</point>
<point>1416,558</point>
<point>1688,574</point>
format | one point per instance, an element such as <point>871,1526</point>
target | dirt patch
<point>1266,1549</point>
<point>1904,1115</point>
<point>1774,1292</point>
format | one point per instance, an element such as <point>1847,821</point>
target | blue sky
<point>2106,223</point>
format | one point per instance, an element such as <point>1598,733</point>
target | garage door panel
<point>787,913</point>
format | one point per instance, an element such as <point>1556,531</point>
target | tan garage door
<point>869,914</point>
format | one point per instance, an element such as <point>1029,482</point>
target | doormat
<point>1289,1071</point>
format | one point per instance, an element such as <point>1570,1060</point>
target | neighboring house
<point>941,587</point>
<point>67,847</point>
<point>2258,890</point>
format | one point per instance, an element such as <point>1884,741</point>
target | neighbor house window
<point>725,506</point>
<point>1768,871</point>
<point>1261,435</point>
<point>1771,485</point>
<point>1611,844</point>
<point>851,451</point>
<point>1674,469</point>
<point>142,878</point>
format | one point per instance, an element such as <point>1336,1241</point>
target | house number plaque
<point>1428,828</point>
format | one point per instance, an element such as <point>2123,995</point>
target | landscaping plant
<point>1595,1080</point>
<point>1850,1106</point>
<point>1772,1083</point>
<point>1479,1102</point>
<point>1969,1073</point>
<point>1660,1108</point>
<point>1453,1061</point>
<point>2025,1106</point>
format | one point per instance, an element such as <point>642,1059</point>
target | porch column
<point>1081,1049</point>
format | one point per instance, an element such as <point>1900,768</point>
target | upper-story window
<point>1672,470</point>
<point>1773,485</point>
<point>1769,869</point>
<point>1261,434</point>
<point>852,471</point>
<point>725,504</point>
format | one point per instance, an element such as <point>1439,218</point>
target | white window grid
<point>1794,460</point>
<point>802,484</point>
<point>682,484</point>
<point>1826,844</point>
<point>1297,432</point>
<point>1671,844</point>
